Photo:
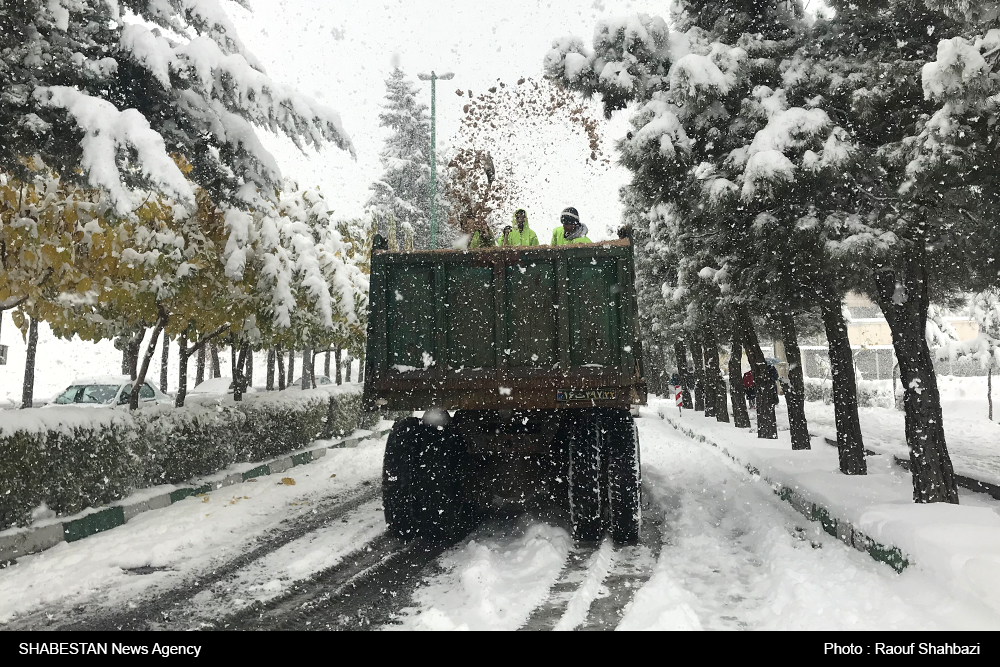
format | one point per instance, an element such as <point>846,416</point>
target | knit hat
<point>570,215</point>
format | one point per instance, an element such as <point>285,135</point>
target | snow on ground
<point>734,556</point>
<point>493,580</point>
<point>58,362</point>
<point>955,546</point>
<point>189,536</point>
<point>973,440</point>
<point>275,573</point>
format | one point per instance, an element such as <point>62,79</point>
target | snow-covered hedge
<point>871,393</point>
<point>75,458</point>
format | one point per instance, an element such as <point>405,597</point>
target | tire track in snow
<point>365,591</point>
<point>631,568</point>
<point>157,611</point>
<point>599,581</point>
<point>573,575</point>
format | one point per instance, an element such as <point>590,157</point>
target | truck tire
<point>624,477</point>
<point>421,482</point>
<point>585,449</point>
<point>438,468</point>
<point>397,493</point>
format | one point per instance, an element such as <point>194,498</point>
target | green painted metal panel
<point>532,328</point>
<point>593,314</point>
<point>302,459</point>
<point>410,316</point>
<point>181,494</point>
<point>470,313</point>
<point>259,471</point>
<point>93,523</point>
<point>562,312</point>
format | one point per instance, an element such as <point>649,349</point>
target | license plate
<point>571,395</point>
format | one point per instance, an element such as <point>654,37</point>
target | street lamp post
<point>433,78</point>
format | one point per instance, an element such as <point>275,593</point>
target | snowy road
<point>718,551</point>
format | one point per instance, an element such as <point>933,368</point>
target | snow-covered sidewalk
<point>161,549</point>
<point>959,545</point>
<point>973,440</point>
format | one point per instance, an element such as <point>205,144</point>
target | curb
<point>842,529</point>
<point>964,481</point>
<point>39,539</point>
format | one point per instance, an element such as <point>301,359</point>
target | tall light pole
<point>432,77</point>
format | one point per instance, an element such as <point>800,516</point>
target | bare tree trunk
<point>279,356</point>
<point>182,368</point>
<point>164,363</point>
<point>653,370</point>
<point>903,297</point>
<point>361,366</point>
<point>741,417</point>
<point>126,345</point>
<point>698,356</point>
<point>767,392</point>
<point>350,363</point>
<point>135,346</point>
<point>239,363</point>
<point>337,354</point>
<point>249,367</point>
<point>200,366</point>
<point>216,370</point>
<point>291,366</point>
<point>682,374</point>
<point>306,382</point>
<point>161,322</point>
<point>714,375</point>
<point>270,369</point>
<point>989,389</point>
<point>232,358</point>
<point>850,442</point>
<point>28,385</point>
<point>795,392</point>
<point>326,363</point>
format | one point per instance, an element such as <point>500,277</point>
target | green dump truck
<point>526,362</point>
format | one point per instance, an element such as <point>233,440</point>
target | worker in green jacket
<point>481,240</point>
<point>478,233</point>
<point>521,233</point>
<point>572,230</point>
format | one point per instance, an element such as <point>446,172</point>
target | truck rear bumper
<point>555,397</point>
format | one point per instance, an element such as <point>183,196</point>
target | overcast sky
<point>341,53</point>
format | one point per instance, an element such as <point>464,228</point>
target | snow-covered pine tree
<point>402,194</point>
<point>907,223</point>
<point>715,137</point>
<point>108,90</point>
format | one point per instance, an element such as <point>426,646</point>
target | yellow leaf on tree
<point>83,285</point>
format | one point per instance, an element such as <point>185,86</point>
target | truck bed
<point>538,327</point>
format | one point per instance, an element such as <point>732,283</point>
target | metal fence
<point>878,361</point>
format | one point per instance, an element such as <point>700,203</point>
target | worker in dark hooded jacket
<point>520,233</point>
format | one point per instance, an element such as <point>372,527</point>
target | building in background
<point>871,342</point>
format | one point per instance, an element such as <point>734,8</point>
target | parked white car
<point>320,381</point>
<point>219,386</point>
<point>107,392</point>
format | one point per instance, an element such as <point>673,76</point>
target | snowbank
<point>957,544</point>
<point>71,458</point>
